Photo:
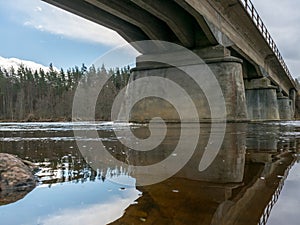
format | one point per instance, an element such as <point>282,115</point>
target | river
<point>253,178</point>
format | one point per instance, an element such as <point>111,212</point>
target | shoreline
<point>36,120</point>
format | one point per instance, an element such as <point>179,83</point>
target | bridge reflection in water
<point>239,187</point>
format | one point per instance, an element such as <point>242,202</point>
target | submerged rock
<point>16,179</point>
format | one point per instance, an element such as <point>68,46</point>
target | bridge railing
<point>267,212</point>
<point>264,31</point>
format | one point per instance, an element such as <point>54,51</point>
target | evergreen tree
<point>31,95</point>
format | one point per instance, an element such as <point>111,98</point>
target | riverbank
<point>37,120</point>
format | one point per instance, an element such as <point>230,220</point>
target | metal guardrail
<point>265,216</point>
<point>248,5</point>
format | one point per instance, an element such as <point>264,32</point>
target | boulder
<point>16,179</point>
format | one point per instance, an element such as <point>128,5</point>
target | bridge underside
<point>253,81</point>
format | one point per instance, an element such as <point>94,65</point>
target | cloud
<point>282,20</point>
<point>47,18</point>
<point>98,214</point>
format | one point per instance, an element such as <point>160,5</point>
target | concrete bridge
<point>228,34</point>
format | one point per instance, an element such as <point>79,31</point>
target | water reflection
<point>70,204</point>
<point>249,170</point>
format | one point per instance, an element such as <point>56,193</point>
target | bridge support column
<point>227,70</point>
<point>297,106</point>
<point>284,107</point>
<point>261,100</point>
<point>293,97</point>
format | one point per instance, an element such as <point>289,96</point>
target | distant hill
<point>8,63</point>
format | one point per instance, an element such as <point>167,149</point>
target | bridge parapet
<point>250,9</point>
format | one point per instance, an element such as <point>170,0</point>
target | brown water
<point>254,179</point>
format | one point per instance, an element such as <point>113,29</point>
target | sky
<point>33,30</point>
<point>36,31</point>
<point>282,19</point>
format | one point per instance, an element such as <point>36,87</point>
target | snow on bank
<point>8,63</point>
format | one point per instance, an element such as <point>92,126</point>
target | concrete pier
<point>261,100</point>
<point>297,106</point>
<point>284,107</point>
<point>229,77</point>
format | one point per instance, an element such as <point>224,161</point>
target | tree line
<point>27,95</point>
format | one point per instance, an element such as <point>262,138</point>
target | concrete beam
<point>201,22</point>
<point>131,13</point>
<point>276,78</point>
<point>180,22</point>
